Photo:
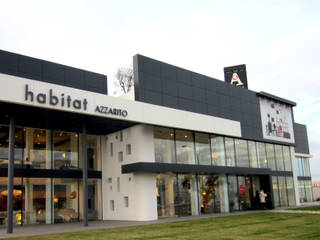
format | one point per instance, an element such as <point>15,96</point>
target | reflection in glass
<point>233,193</point>
<point>65,146</point>
<point>166,184</point>
<point>291,193</point>
<point>65,200</point>
<point>275,191</point>
<point>306,167</point>
<point>241,153</point>
<point>217,148</point>
<point>94,199</point>
<point>308,187</point>
<point>302,192</point>
<point>279,157</point>
<point>262,158</point>
<point>38,148</point>
<point>229,143</point>
<point>252,154</point>
<point>185,147</point>
<point>282,191</point>
<point>213,193</point>
<point>18,202</point>
<point>164,145</point>
<point>203,148</point>
<point>245,192</point>
<point>270,156</point>
<point>4,146</point>
<point>186,201</point>
<point>287,158</point>
<point>93,152</point>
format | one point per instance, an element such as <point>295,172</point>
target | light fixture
<point>185,136</point>
<point>55,200</point>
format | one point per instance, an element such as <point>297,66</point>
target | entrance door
<point>245,192</point>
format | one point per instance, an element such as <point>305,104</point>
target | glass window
<point>275,191</point>
<point>203,148</point>
<point>121,136</point>
<point>120,156</point>
<point>94,199</point>
<point>65,200</point>
<point>111,149</point>
<point>270,156</point>
<point>93,152</point>
<point>186,201</point>
<point>229,143</point>
<point>37,197</point>
<point>126,201</point>
<point>164,145</point>
<point>262,158</point>
<point>279,157</point>
<point>242,157</point>
<point>37,148</point>
<point>306,167</point>
<point>308,187</point>
<point>287,158</point>
<point>112,205</point>
<point>128,149</point>
<point>176,195</point>
<point>213,193</point>
<point>302,191</point>
<point>65,150</point>
<point>245,191</point>
<point>165,191</point>
<point>185,147</point>
<point>4,146</point>
<point>282,191</point>
<point>18,201</point>
<point>118,184</point>
<point>253,154</point>
<point>233,193</point>
<point>291,193</point>
<point>217,148</point>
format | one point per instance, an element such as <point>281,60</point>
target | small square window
<point>120,156</point>
<point>109,180</point>
<point>118,184</point>
<point>128,149</point>
<point>112,205</point>
<point>126,201</point>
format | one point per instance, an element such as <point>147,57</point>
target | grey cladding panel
<point>40,70</point>
<point>301,138</point>
<point>190,91</point>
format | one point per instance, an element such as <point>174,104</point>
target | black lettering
<point>110,111</point>
<point>69,101</point>
<point>124,113</point>
<point>77,104</point>
<point>114,112</point>
<point>62,99</point>
<point>41,98</point>
<point>104,109</point>
<point>97,109</point>
<point>85,102</point>
<point>53,100</point>
<point>28,93</point>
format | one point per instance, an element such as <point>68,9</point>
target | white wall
<point>139,188</point>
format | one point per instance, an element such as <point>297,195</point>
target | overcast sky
<point>279,41</point>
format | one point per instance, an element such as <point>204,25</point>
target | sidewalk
<point>30,230</point>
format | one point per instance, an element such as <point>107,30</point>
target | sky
<point>279,41</point>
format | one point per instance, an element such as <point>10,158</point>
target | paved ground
<point>29,230</point>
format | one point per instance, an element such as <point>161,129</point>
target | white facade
<point>138,190</point>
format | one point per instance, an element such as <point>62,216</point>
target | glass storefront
<point>164,146</point>
<point>47,200</point>
<point>242,153</point>
<point>203,148</point>
<point>291,193</point>
<point>279,158</point>
<point>233,193</point>
<point>45,149</point>
<point>271,156</point>
<point>185,147</point>
<point>218,151</point>
<point>275,186</point>
<point>230,156</point>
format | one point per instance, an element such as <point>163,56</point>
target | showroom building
<point>180,144</point>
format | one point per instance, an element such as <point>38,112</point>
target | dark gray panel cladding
<point>37,69</point>
<point>301,138</point>
<point>163,84</point>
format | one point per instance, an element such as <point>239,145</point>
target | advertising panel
<point>276,120</point>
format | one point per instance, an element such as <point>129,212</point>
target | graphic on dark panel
<point>236,75</point>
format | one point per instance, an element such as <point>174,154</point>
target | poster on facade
<point>276,119</point>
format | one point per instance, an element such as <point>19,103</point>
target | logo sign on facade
<point>236,75</point>
<point>276,120</point>
<point>63,100</point>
